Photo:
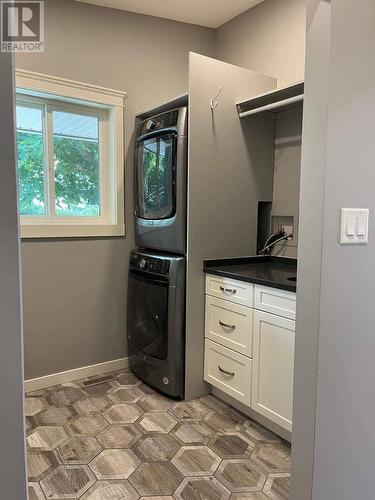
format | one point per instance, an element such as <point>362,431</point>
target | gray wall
<point>75,290</point>
<point>270,39</point>
<point>345,437</point>
<point>310,253</point>
<point>12,449</point>
<point>286,179</point>
<point>230,170</point>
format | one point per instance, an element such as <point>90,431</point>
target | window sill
<point>29,231</point>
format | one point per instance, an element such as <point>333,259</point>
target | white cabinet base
<point>249,347</point>
<point>272,384</point>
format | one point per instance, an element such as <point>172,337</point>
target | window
<point>70,158</point>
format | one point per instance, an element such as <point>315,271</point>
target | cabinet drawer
<point>228,371</point>
<point>275,301</point>
<point>233,290</point>
<point>229,324</point>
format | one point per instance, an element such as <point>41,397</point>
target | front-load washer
<point>156,320</point>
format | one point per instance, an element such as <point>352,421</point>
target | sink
<point>293,278</point>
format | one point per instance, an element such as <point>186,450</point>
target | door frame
<point>12,431</point>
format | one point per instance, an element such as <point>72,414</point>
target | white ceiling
<point>211,13</point>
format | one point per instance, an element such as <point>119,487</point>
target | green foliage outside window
<point>30,173</point>
<point>76,177</point>
<point>77,186</point>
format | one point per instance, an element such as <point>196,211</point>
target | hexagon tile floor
<point>121,440</point>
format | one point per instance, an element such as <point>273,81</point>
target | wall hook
<point>214,101</point>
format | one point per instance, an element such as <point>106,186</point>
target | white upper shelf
<point>276,100</point>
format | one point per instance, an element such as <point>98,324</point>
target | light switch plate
<point>354,226</point>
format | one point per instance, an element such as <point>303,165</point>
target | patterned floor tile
<point>191,433</point>
<point>257,433</point>
<point>229,445</point>
<point>256,495</point>
<point>92,405</point>
<point>156,423</point>
<point>196,461</point>
<point>156,498</point>
<point>46,438</point>
<point>123,440</point>
<point>86,425</point>
<point>155,403</point>
<point>156,448</point>
<point>214,403</point>
<point>36,492</point>
<point>38,393</point>
<point>66,396</point>
<point>156,478</point>
<point>123,413</point>
<point>241,475</point>
<point>119,436</point>
<point>204,488</point>
<point>224,421</point>
<point>30,425</point>
<point>114,464</point>
<point>78,450</point>
<point>54,415</point>
<point>40,463</point>
<point>193,411</point>
<point>127,379</point>
<point>126,395</point>
<point>67,482</point>
<point>277,486</point>
<point>33,406</point>
<point>111,490</point>
<point>272,457</point>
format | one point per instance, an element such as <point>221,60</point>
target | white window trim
<point>60,89</point>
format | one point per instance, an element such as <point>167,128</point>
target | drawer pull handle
<point>228,290</point>
<point>230,374</point>
<point>225,325</point>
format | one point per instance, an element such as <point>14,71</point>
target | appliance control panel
<point>159,122</point>
<point>149,264</point>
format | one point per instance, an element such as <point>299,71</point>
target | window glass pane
<point>30,161</point>
<point>76,156</point>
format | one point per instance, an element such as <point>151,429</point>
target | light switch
<point>354,226</point>
<point>361,226</point>
<point>350,225</point>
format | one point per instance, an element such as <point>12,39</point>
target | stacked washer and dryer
<point>157,271</point>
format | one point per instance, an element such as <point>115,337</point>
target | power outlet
<point>287,229</point>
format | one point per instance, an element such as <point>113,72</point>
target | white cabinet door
<point>273,367</point>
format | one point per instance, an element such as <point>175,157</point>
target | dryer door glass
<point>156,164</point>
<point>148,309</point>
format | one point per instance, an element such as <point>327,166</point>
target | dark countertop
<point>264,270</point>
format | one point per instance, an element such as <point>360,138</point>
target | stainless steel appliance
<point>160,181</point>
<point>156,320</point>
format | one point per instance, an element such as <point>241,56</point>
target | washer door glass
<point>156,158</point>
<point>147,314</point>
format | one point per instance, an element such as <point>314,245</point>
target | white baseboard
<point>75,374</point>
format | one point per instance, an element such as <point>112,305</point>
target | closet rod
<point>272,105</point>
